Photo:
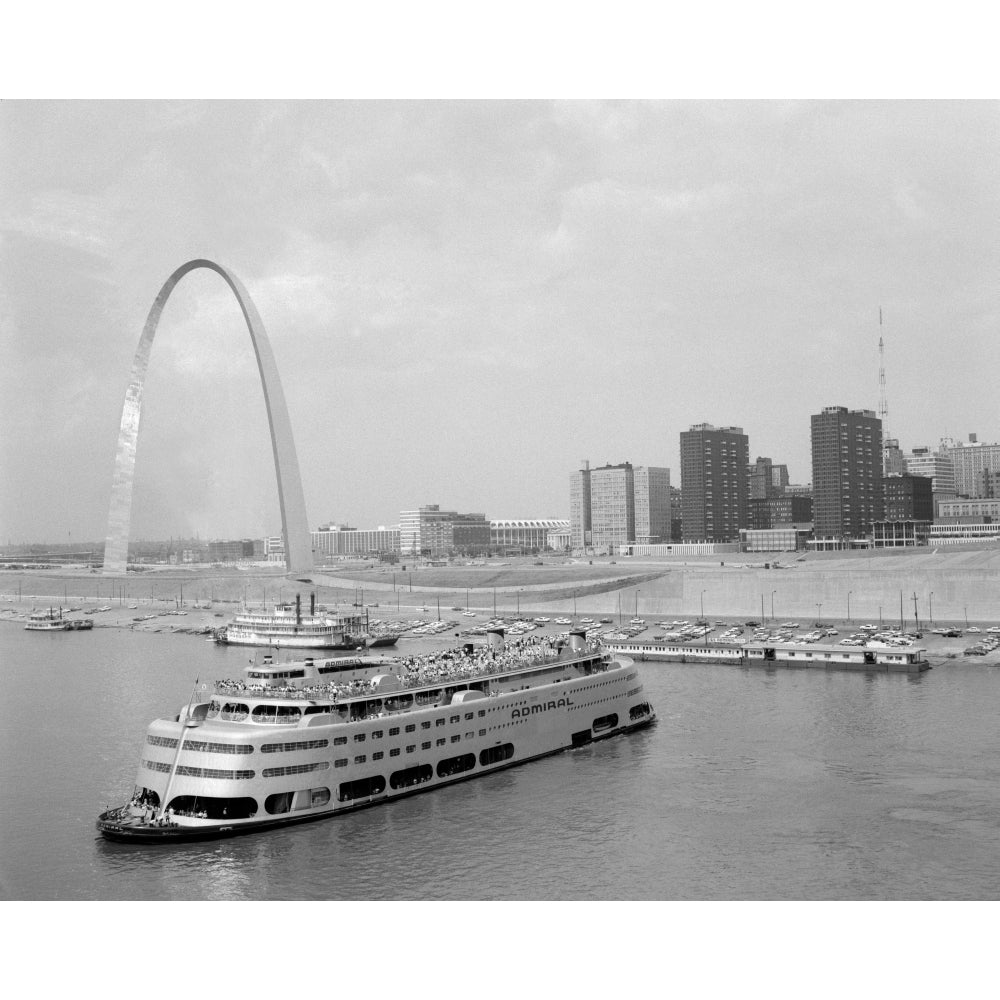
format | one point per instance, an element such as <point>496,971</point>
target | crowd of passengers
<point>457,664</point>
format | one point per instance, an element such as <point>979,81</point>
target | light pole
<point>703,604</point>
<point>637,603</point>
<point>930,607</point>
<point>773,592</point>
<point>819,613</point>
<point>849,604</point>
<point>966,617</point>
<point>574,606</point>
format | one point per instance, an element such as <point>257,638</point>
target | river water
<point>753,785</point>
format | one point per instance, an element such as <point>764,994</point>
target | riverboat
<point>287,744</point>
<point>287,627</point>
<point>53,621</point>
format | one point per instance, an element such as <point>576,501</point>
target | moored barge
<point>887,659</point>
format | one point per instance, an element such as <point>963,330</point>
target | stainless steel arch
<point>294,526</point>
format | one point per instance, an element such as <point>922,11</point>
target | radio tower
<point>883,405</point>
<point>890,465</point>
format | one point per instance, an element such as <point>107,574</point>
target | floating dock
<point>887,659</point>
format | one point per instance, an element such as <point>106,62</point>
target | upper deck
<point>301,693</point>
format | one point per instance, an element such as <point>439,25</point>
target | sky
<point>468,298</point>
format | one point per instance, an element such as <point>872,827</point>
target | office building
<point>579,508</point>
<point>652,504</point>
<point>764,478</point>
<point>430,531</point>
<point>970,460</point>
<point>340,541</point>
<point>714,464</point>
<point>847,473</point>
<point>612,506</point>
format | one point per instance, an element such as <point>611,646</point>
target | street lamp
<point>703,604</point>
<point>637,604</point>
<point>930,607</point>
<point>773,592</point>
<point>849,604</point>
<point>819,613</point>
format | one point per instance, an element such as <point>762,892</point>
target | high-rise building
<point>970,459</point>
<point>847,472</point>
<point>893,460</point>
<point>714,464</point>
<point>430,531</point>
<point>764,477</point>
<point>579,507</point>
<point>936,466</point>
<point>612,505</point>
<point>908,498</point>
<point>652,504</point>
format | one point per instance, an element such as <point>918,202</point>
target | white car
<point>973,628</point>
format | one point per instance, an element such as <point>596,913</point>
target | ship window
<point>280,802</point>
<point>234,711</point>
<point>287,747</point>
<point>605,722</point>
<point>468,715</point>
<point>361,788</point>
<point>439,722</point>
<point>482,713</point>
<point>275,714</point>
<point>378,755</point>
<point>213,807</point>
<point>425,746</point>
<point>455,738</point>
<point>411,776</point>
<point>377,734</point>
<point>410,728</point>
<point>339,741</point>
<point>341,762</point>
<point>425,725</point>
<point>469,736</point>
<point>456,765</point>
<point>280,772</point>
<point>394,731</point>
<point>482,732</point>
<point>360,759</point>
<point>318,797</point>
<point>394,752</point>
<point>359,737</point>
<point>455,718</point>
<point>441,742</point>
<point>411,748</point>
<point>494,755</point>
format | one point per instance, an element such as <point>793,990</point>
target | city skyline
<point>466,298</point>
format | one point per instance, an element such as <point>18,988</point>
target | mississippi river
<point>752,785</point>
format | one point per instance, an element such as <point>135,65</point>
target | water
<point>752,785</point>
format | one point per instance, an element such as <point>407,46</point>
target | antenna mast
<point>883,405</point>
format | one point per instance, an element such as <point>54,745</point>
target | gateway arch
<point>294,527</point>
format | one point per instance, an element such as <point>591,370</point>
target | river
<point>753,785</point>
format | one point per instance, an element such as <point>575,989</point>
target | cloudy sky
<point>467,298</point>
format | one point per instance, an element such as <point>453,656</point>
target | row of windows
<point>278,772</point>
<point>200,772</point>
<point>291,747</point>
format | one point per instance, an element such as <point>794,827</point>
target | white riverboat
<point>288,627</point>
<point>298,741</point>
<point>54,621</point>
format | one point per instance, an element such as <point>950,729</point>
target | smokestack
<point>312,604</point>
<point>494,639</point>
<point>578,642</point>
<point>298,609</point>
